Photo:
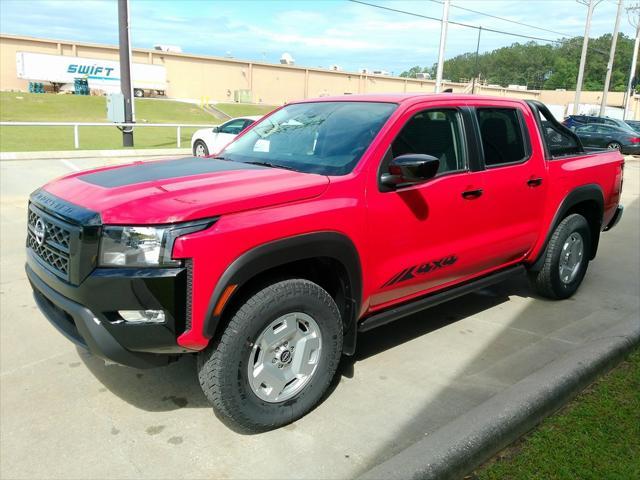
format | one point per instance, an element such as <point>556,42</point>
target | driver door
<point>430,234</point>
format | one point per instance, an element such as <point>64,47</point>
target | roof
<point>408,98</point>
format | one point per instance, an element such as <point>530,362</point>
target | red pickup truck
<point>327,218</point>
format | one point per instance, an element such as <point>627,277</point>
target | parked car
<point>606,136</point>
<point>574,121</point>
<point>635,124</point>
<point>209,141</point>
<point>327,218</point>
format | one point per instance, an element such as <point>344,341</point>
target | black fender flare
<point>333,245</point>
<point>591,192</point>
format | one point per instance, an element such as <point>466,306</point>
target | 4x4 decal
<point>419,270</point>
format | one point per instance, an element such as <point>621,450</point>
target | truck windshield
<point>320,137</point>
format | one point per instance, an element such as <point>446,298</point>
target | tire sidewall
<point>204,145</point>
<point>577,224</point>
<point>260,315</point>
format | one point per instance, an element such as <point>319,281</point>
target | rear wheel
<point>276,358</point>
<point>138,92</point>
<point>566,259</point>
<point>614,146</point>
<point>200,149</point>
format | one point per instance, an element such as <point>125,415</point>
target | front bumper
<point>87,313</point>
<point>615,219</point>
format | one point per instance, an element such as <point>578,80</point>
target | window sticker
<point>261,145</point>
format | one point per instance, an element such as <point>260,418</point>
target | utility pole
<point>612,54</point>
<point>583,56</point>
<point>125,70</point>
<point>634,19</point>
<point>475,68</point>
<point>443,42</point>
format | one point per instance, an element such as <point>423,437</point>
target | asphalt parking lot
<point>64,414</point>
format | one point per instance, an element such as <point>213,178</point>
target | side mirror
<point>215,129</point>
<point>410,169</point>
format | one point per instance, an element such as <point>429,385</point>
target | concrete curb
<point>468,441</point>
<point>70,154</point>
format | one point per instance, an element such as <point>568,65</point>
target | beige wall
<point>214,79</point>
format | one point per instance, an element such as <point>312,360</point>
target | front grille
<point>51,257</point>
<point>55,233</point>
<point>54,248</point>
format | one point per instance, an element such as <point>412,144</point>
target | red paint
<point>392,231</point>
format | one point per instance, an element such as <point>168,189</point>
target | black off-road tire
<point>223,366</point>
<point>547,281</point>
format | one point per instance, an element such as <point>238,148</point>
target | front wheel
<point>138,92</point>
<point>276,358</point>
<point>565,259</point>
<point>200,149</point>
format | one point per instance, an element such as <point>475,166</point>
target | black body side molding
<point>590,192</point>
<point>422,303</point>
<point>331,245</point>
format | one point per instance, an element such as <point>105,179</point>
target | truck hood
<point>178,190</point>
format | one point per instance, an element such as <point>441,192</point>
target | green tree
<point>539,66</point>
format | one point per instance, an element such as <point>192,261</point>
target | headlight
<point>141,246</point>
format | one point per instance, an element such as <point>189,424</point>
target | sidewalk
<point>70,154</point>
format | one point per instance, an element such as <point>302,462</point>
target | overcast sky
<point>314,32</point>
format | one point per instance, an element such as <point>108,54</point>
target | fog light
<point>142,316</point>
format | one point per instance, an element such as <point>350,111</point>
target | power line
<point>466,25</point>
<point>503,19</point>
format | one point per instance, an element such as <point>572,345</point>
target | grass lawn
<point>242,109</point>
<point>26,107</point>
<point>597,436</point>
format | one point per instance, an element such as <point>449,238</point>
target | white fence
<point>76,127</point>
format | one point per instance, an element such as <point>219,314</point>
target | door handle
<point>471,194</point>
<point>534,182</point>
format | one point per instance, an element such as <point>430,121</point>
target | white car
<point>209,141</point>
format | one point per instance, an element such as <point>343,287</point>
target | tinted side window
<point>435,133</point>
<point>501,135</point>
<point>233,127</point>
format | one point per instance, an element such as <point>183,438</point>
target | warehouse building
<point>210,79</point>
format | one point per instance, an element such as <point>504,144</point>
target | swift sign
<point>101,74</point>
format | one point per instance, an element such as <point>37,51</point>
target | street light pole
<point>583,56</point>
<point>443,42</point>
<point>612,54</point>
<point>125,70</point>
<point>475,68</point>
<point>634,59</point>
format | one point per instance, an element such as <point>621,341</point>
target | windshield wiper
<point>272,165</point>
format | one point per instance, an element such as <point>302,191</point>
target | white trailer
<point>101,74</point>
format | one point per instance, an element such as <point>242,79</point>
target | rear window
<point>502,137</point>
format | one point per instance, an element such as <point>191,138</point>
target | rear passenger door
<point>515,180</point>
